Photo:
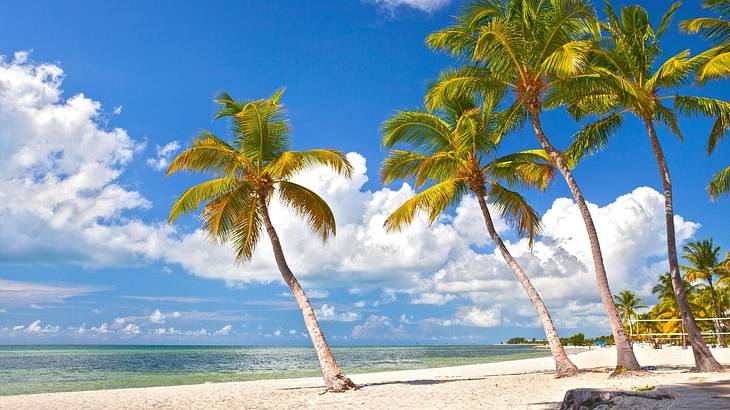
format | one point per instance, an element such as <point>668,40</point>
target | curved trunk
<point>625,358</point>
<point>704,360</point>
<point>719,328</point>
<point>563,366</point>
<point>334,379</point>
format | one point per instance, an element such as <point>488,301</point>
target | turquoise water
<point>38,369</point>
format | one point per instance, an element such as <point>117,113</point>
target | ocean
<point>40,369</point>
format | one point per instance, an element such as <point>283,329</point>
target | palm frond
<point>418,129</point>
<point>515,211</point>
<point>708,107</point>
<point>592,138</point>
<point>400,164</point>
<point>221,215</point>
<point>720,184</point>
<point>431,201</point>
<point>247,231</point>
<point>291,162</point>
<point>468,80</point>
<point>310,206</point>
<point>675,71</point>
<point>191,199</point>
<point>209,153</point>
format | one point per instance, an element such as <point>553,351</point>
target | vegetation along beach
<point>432,204</point>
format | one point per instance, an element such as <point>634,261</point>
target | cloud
<point>632,235</point>
<point>36,328</point>
<point>176,299</point>
<point>376,326</point>
<point>224,331</point>
<point>158,317</point>
<point>58,169</point>
<point>327,313</point>
<point>32,293</point>
<point>473,316</point>
<point>428,6</point>
<point>164,155</point>
<point>131,329</point>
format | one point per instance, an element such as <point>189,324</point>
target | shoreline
<point>522,383</point>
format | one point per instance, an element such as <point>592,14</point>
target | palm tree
<point>704,264</point>
<point>714,64</point>
<point>628,305</point>
<point>248,172</point>
<point>620,81</point>
<point>453,151</point>
<point>527,47</point>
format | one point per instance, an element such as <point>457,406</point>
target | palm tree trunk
<point>334,379</point>
<point>625,358</point>
<point>704,360</point>
<point>563,366</point>
<point>719,328</point>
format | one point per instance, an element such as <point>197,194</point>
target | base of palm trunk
<point>621,372</point>
<point>339,383</point>
<point>709,365</point>
<point>565,370</point>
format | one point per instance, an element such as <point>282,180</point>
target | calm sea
<point>37,369</point>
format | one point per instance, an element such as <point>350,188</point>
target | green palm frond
<point>310,206</point>
<point>593,137</point>
<point>190,200</point>
<point>515,211</point>
<point>247,230</point>
<point>401,164</point>
<point>720,184</point>
<point>418,129</point>
<point>530,168</point>
<point>209,153</point>
<point>713,64</point>
<point>432,201</point>
<point>221,215</point>
<point>439,166</point>
<point>708,107</point>
<point>568,60</point>
<point>675,71</point>
<point>469,80</point>
<point>291,162</point>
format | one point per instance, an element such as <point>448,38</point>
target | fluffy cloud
<point>58,169</point>
<point>164,155</point>
<point>327,313</point>
<point>158,317</point>
<point>224,331</point>
<point>36,328</point>
<point>428,6</point>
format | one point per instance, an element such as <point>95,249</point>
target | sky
<point>97,98</point>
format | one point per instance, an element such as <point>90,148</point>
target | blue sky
<point>95,98</point>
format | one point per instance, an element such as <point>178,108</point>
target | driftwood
<point>597,399</point>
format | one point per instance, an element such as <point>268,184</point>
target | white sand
<point>519,384</point>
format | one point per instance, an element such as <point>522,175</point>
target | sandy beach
<point>518,384</point>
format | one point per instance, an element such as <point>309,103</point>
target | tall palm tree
<point>714,64</point>
<point>454,151</point>
<point>619,81</point>
<point>527,47</point>
<point>628,305</point>
<point>704,264</point>
<point>247,174</point>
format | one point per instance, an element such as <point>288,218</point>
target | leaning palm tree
<point>528,46</point>
<point>247,173</point>
<point>705,264</point>
<point>714,64</point>
<point>628,305</point>
<point>621,80</point>
<point>453,152</point>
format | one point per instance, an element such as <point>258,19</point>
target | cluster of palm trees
<point>706,278</point>
<point>515,59</point>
